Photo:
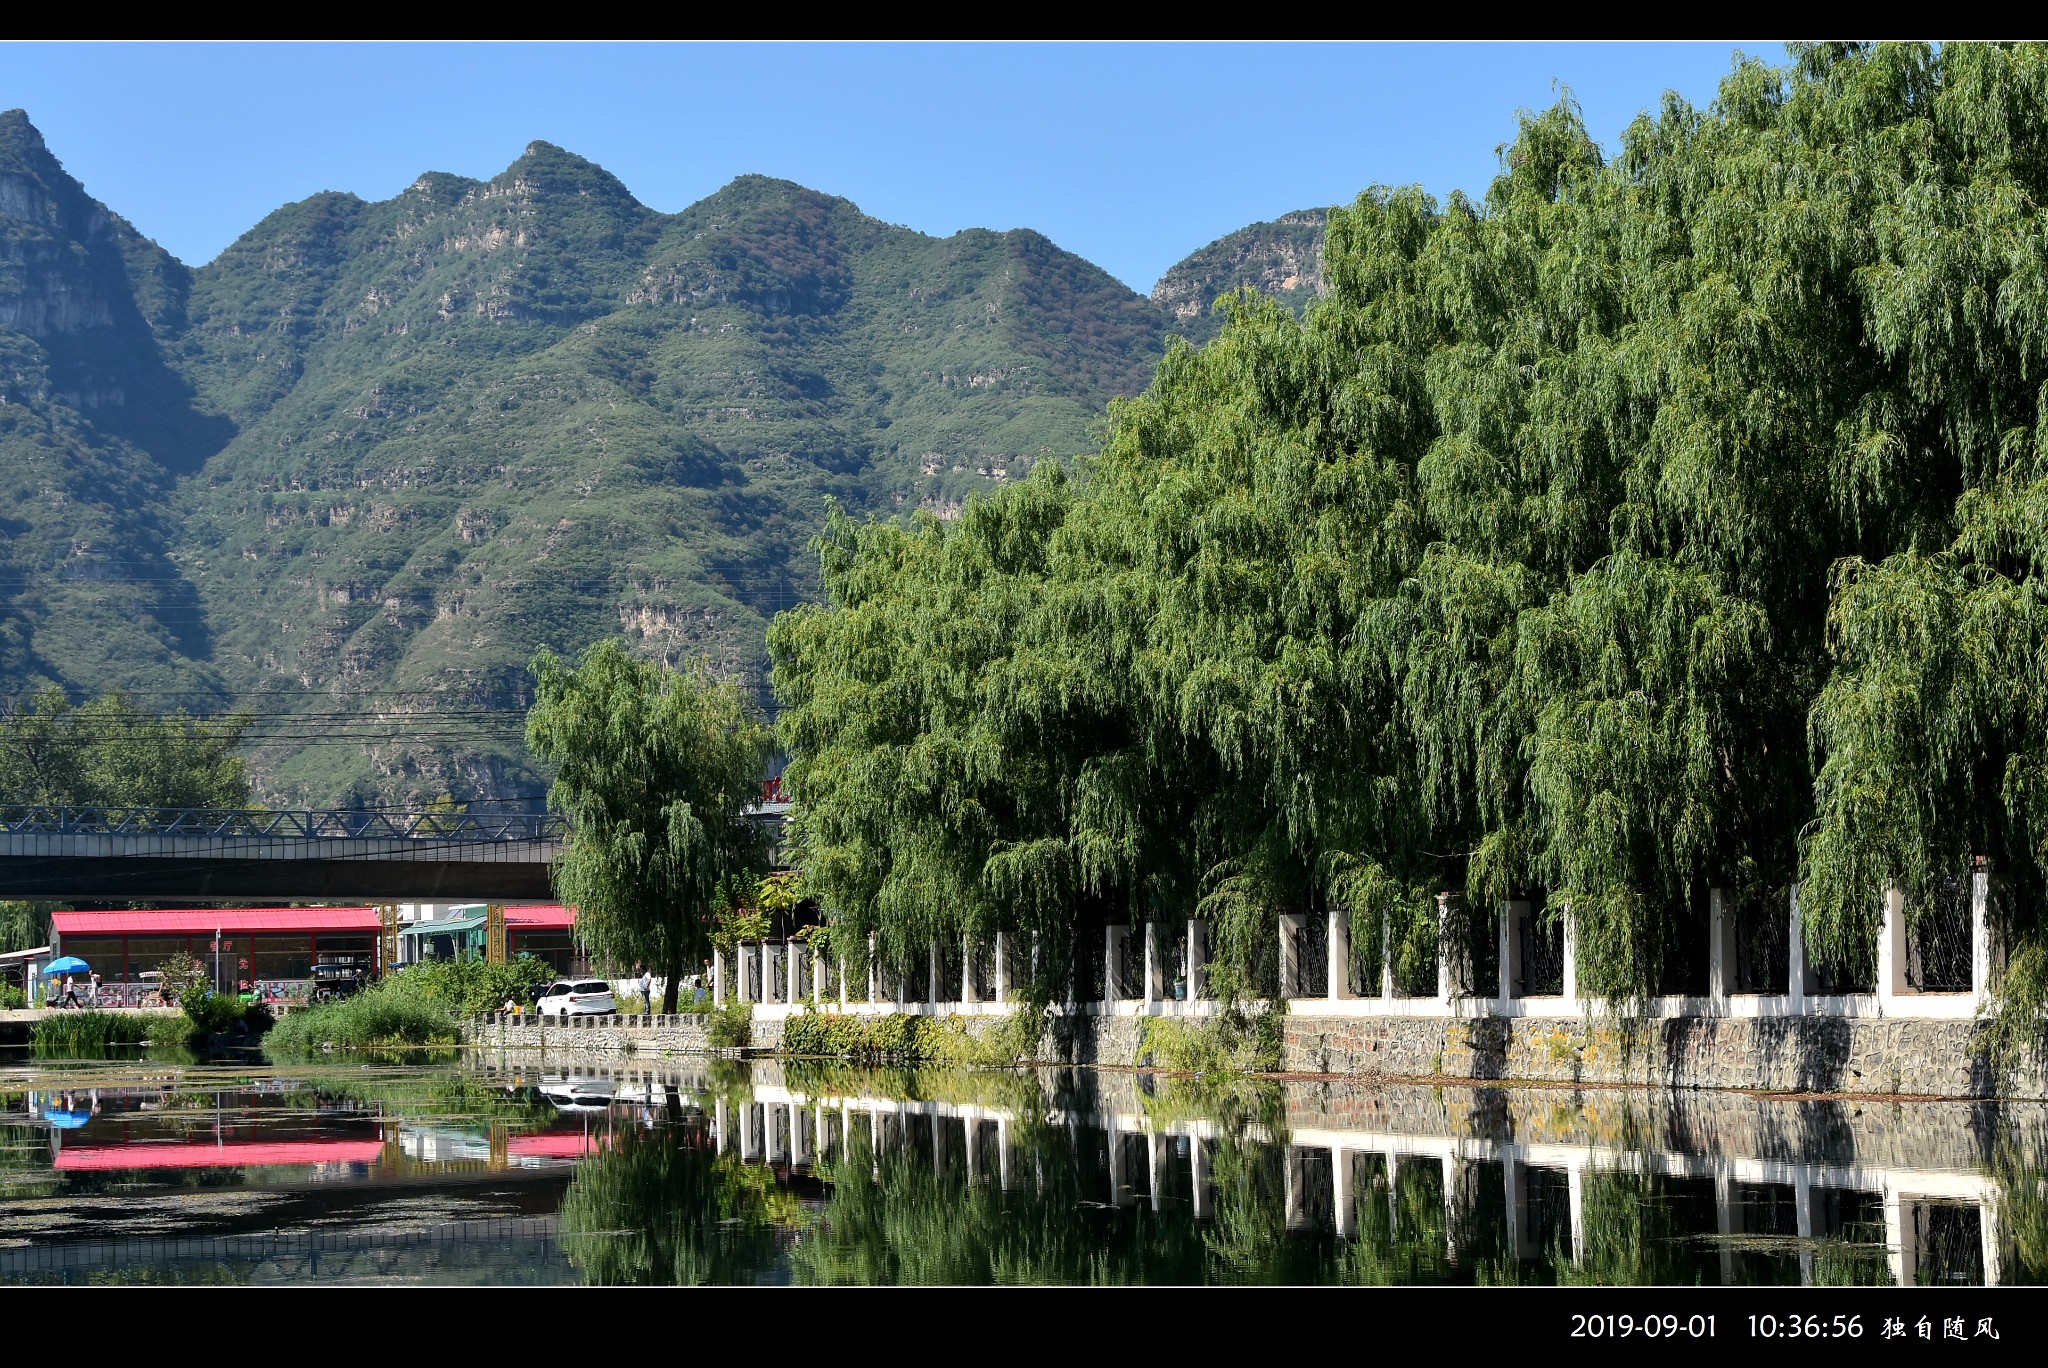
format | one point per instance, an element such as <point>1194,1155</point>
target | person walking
<point>69,998</point>
<point>647,989</point>
<point>93,994</point>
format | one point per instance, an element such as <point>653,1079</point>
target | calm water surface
<point>494,1170</point>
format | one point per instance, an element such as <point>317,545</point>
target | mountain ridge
<point>377,453</point>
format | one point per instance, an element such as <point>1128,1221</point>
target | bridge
<point>211,855</point>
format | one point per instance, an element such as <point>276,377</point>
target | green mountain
<point>1283,258</point>
<point>355,471</point>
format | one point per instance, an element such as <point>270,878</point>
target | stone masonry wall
<point>1770,1054</point>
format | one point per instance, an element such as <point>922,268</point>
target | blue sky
<point>1131,155</point>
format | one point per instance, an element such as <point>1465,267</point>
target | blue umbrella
<point>70,964</point>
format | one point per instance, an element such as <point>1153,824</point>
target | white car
<point>578,997</point>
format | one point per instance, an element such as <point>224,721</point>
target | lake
<point>500,1170</point>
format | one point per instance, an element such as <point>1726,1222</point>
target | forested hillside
<point>353,473</point>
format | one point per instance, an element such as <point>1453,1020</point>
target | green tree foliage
<point>657,767</point>
<point>109,752</point>
<point>663,1208</point>
<point>1658,523</point>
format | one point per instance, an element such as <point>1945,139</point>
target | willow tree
<point>1656,523</point>
<point>656,767</point>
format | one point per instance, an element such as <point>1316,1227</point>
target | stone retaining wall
<point>1877,1056</point>
<point>1769,1054</point>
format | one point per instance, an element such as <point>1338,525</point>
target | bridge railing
<point>38,820</point>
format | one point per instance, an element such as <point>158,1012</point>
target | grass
<point>90,1032</point>
<point>383,1016</point>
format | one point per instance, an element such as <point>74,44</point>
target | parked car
<point>578,1094</point>
<point>578,997</point>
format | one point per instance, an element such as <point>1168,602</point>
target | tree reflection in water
<point>663,1207</point>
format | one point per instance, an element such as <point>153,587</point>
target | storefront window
<point>282,957</point>
<point>146,954</point>
<point>555,947</point>
<point>103,953</point>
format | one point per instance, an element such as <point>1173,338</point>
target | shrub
<point>731,1027</point>
<point>88,1032</point>
<point>905,1039</point>
<point>214,1013</point>
<point>12,998</point>
<point>471,986</point>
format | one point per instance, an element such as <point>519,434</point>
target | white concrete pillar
<point>718,978</point>
<point>874,973</point>
<point>1198,958</point>
<point>1892,950</point>
<point>1198,1165</point>
<point>1721,978</point>
<point>1112,947</point>
<point>935,977</point>
<point>1151,970</point>
<point>1453,959</point>
<point>1386,972</point>
<point>1987,949</point>
<point>842,981</point>
<point>795,951</point>
<point>903,987</point>
<point>967,993</point>
<point>1290,958</point>
<point>1339,939</point>
<point>1571,958</point>
<point>1512,915</point>
<point>1343,1202</point>
<point>1002,967</point>
<point>1799,977</point>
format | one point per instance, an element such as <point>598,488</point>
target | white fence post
<point>1721,982</point>
<point>967,993</point>
<point>1150,972</point>
<point>1198,958</point>
<point>1799,979</point>
<point>718,978</point>
<point>1290,960</point>
<point>1571,957</point>
<point>1339,939</point>
<point>1002,967</point>
<point>1512,914</point>
<point>1987,950</point>
<point>1891,950</point>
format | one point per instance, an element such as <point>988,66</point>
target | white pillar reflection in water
<point>1156,1156</point>
<point>797,1152</point>
<point>721,1121</point>
<point>1198,1167</point>
<point>1898,1238</point>
<point>1802,1217</point>
<point>1514,1181</point>
<point>1343,1213</point>
<point>1727,1223</point>
<point>1003,1151</point>
<point>747,1150</point>
<point>1116,1166</point>
<point>1575,1194</point>
<point>1994,1240</point>
<point>1453,1171</point>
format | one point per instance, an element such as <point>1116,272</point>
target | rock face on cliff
<point>1283,259</point>
<point>375,455</point>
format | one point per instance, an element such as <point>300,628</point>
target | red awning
<point>234,1154</point>
<point>540,917</point>
<point>156,921</point>
<point>168,921</point>
<point>573,1146</point>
